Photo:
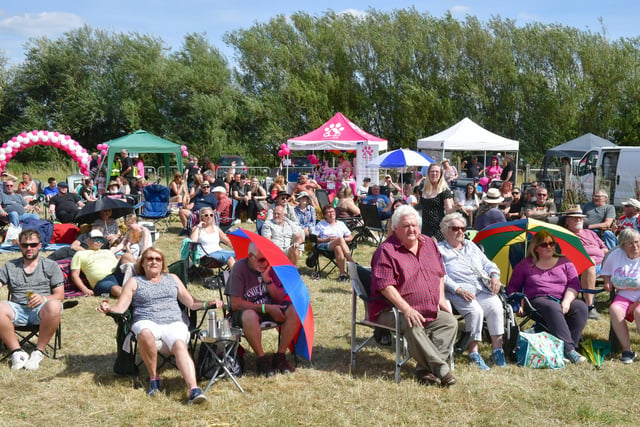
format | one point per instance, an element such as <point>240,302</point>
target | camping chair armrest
<point>120,318</point>
<point>591,291</point>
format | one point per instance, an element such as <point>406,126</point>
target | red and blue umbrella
<point>288,275</point>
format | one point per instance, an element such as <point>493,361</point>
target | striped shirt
<point>416,277</point>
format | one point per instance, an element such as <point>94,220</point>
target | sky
<point>172,20</point>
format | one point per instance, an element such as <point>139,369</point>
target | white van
<point>613,169</point>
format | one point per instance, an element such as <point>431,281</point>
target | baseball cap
<point>96,233</point>
<point>205,184</point>
<point>218,189</point>
<point>63,184</point>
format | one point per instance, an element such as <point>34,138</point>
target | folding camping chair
<point>314,258</point>
<point>156,205</point>
<point>372,222</point>
<point>361,290</point>
<point>28,336</point>
<point>127,362</point>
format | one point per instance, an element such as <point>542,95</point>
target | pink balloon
<point>56,133</point>
<point>280,153</point>
<point>67,137</point>
<point>46,132</point>
<point>14,139</point>
<point>183,147</point>
<point>23,134</point>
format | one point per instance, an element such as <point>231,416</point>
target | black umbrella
<point>91,211</point>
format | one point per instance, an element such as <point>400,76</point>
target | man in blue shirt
<point>381,201</point>
<point>203,198</point>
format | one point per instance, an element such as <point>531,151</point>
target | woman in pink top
<point>493,171</point>
<point>550,282</point>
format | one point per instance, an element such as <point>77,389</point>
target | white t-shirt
<point>624,272</point>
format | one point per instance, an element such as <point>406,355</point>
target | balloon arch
<point>43,137</point>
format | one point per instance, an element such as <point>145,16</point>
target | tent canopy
<point>466,135</point>
<point>340,133</point>
<point>142,141</point>
<point>577,147</point>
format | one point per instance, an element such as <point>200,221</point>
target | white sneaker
<point>34,360</point>
<point>18,359</point>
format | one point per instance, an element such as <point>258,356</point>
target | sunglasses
<point>206,215</point>
<point>98,239</point>
<point>153,259</point>
<point>29,245</point>
<point>457,228</point>
<point>545,245</point>
<point>260,260</point>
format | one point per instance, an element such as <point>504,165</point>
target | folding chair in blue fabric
<point>156,205</point>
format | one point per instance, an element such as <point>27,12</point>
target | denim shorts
<point>324,246</point>
<point>24,315</point>
<point>219,256</point>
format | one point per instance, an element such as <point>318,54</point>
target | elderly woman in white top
<point>465,265</point>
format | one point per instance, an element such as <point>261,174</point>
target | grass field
<point>80,389</point>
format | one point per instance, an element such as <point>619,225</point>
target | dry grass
<point>80,388</point>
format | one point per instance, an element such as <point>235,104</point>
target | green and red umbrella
<point>497,241</point>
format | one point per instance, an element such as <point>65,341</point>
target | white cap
<point>96,233</point>
<point>219,189</point>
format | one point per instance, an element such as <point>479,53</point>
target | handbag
<point>541,350</point>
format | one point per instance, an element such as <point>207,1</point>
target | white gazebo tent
<point>466,135</point>
<point>340,133</point>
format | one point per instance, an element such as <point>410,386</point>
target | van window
<point>588,164</point>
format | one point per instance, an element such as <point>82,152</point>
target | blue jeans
<point>15,219</point>
<point>104,286</point>
<point>610,240</point>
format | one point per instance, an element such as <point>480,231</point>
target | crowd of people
<point>425,267</point>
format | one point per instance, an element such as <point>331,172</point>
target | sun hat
<point>574,211</point>
<point>218,189</point>
<point>302,194</point>
<point>493,196</point>
<point>283,193</point>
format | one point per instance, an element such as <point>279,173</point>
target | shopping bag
<point>541,350</point>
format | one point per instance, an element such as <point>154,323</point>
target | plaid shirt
<point>416,278</point>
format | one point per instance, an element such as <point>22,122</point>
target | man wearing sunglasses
<point>256,298</point>
<point>542,208</point>
<point>36,288</point>
<point>100,267</point>
<point>14,207</point>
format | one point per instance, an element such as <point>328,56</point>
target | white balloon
<point>19,139</point>
<point>64,142</point>
<point>33,137</point>
<point>54,139</point>
<point>45,138</point>
<point>8,150</point>
<point>2,157</point>
<point>40,134</point>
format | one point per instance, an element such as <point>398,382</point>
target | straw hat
<point>575,211</point>
<point>493,196</point>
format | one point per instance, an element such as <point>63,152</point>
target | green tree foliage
<point>401,75</point>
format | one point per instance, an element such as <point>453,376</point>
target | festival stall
<point>142,141</point>
<point>340,133</point>
<point>466,135</point>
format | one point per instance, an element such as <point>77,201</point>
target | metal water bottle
<point>213,330</point>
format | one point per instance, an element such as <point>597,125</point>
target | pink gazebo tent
<point>340,133</point>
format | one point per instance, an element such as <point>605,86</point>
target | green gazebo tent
<point>142,141</point>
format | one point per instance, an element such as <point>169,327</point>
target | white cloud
<point>40,24</point>
<point>354,12</point>
<point>460,10</point>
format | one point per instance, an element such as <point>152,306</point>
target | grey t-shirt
<point>46,277</point>
<point>13,203</point>
<point>597,214</point>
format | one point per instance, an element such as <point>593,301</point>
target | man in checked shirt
<point>407,272</point>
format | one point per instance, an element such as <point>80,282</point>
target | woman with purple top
<point>551,283</point>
